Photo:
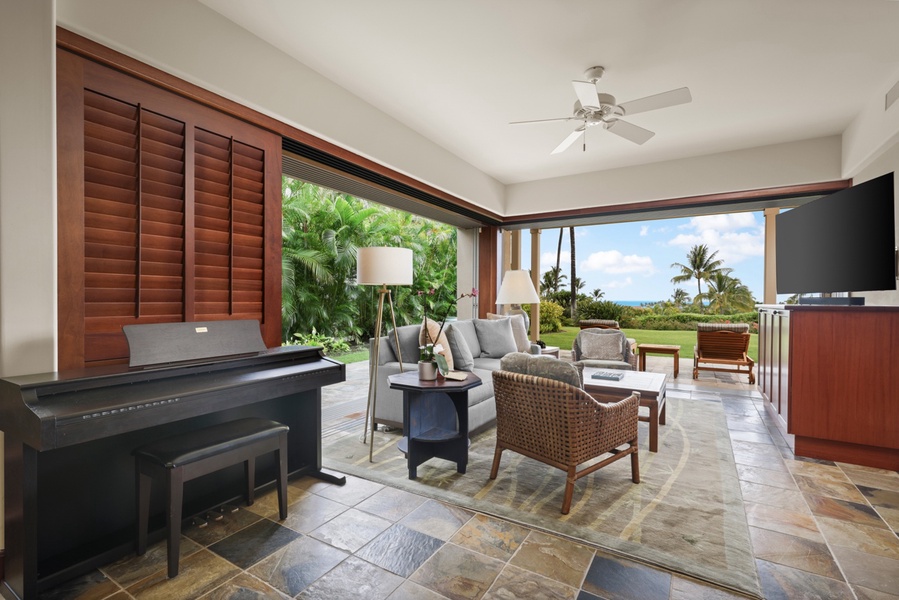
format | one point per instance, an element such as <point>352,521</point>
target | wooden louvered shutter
<point>168,211</point>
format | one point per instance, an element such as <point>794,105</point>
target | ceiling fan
<point>596,108</point>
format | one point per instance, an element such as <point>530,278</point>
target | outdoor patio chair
<point>606,324</point>
<point>561,425</point>
<point>616,353</point>
<point>725,345</point>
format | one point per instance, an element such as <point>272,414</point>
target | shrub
<point>550,317</point>
<point>329,344</point>
<point>600,309</point>
<point>688,321</point>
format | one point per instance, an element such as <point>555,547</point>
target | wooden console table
<point>435,419</point>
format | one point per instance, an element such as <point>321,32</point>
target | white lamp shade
<point>517,288</point>
<point>382,265</point>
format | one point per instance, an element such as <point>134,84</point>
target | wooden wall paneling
<point>488,269</point>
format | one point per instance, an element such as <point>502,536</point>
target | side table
<point>550,351</point>
<point>671,349</point>
<point>435,419</point>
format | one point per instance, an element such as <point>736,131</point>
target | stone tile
<point>132,568</point>
<point>199,573</point>
<point>92,586</point>
<point>266,505</point>
<point>880,498</point>
<point>514,583</point>
<point>354,491</point>
<point>767,450</point>
<point>351,530</point>
<point>855,512</point>
<point>764,462</point>
<point>295,566</point>
<point>872,540</point>
<point>871,477</point>
<point>437,519</point>
<point>686,589</point>
<point>832,489</point>
<point>554,557</point>
<point>412,591</point>
<point>867,570</point>
<point>249,546</point>
<point>766,477</point>
<point>817,471</point>
<point>244,587</point>
<point>790,522</point>
<point>391,503</point>
<point>863,593</point>
<point>751,436</point>
<point>766,494</point>
<point>312,511</point>
<point>620,579</point>
<point>230,522</point>
<point>780,582</point>
<point>793,551</point>
<point>734,425</point>
<point>400,550</point>
<point>891,516</point>
<point>493,537</point>
<point>458,573</point>
<point>353,578</point>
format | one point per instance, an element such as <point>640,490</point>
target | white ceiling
<point>458,71</point>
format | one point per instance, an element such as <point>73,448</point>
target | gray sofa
<point>470,353</point>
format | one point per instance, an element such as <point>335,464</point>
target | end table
<point>435,419</point>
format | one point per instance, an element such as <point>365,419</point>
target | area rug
<point>686,515</point>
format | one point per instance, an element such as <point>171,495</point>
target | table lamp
<point>517,289</point>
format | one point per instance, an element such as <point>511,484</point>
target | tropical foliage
<point>321,233</point>
<point>700,265</point>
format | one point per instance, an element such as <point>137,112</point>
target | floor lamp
<point>517,289</point>
<point>381,266</point>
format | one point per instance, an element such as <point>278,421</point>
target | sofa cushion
<point>544,366</point>
<point>408,335</point>
<point>519,330</point>
<point>431,333</point>
<point>466,328</point>
<point>495,337</point>
<point>486,364</point>
<point>602,347</point>
<point>462,358</point>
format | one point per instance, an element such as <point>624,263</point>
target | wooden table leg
<point>653,426</point>
<point>676,363</point>
<point>642,360</point>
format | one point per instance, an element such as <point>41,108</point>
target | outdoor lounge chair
<point>725,345</point>
<point>559,423</point>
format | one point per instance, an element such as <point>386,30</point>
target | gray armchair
<point>612,352</point>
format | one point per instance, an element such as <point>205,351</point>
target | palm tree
<point>597,294</point>
<point>726,294</point>
<point>574,278</point>
<point>700,266</point>
<point>680,297</point>
<point>552,280</point>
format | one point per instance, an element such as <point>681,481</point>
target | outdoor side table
<point>671,349</point>
<point>435,419</point>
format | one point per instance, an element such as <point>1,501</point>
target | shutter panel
<point>180,211</point>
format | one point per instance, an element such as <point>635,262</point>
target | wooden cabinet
<point>829,376</point>
<point>774,352</point>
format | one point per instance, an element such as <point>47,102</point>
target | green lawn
<point>685,339</point>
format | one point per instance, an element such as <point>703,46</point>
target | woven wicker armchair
<point>563,426</point>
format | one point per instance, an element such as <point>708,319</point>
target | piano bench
<point>177,459</point>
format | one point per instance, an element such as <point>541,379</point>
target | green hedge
<point>688,321</point>
<point>550,317</point>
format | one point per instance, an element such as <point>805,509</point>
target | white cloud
<point>736,237</point>
<point>548,260</point>
<point>617,285</point>
<point>614,262</point>
<point>644,230</point>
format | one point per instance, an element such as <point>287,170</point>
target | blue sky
<point>631,261</point>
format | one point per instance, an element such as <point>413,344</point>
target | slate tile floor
<point>818,530</point>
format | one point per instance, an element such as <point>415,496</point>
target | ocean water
<point>632,302</point>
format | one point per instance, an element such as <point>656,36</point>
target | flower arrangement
<point>430,351</point>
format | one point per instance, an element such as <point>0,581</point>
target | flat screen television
<point>844,242</point>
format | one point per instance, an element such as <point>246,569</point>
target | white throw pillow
<point>519,331</point>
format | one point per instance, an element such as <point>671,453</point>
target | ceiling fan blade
<point>572,137</point>
<point>544,120</point>
<point>663,100</point>
<point>586,93</point>
<point>629,131</point>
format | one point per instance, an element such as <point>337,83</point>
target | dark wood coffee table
<point>652,395</point>
<point>435,419</point>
